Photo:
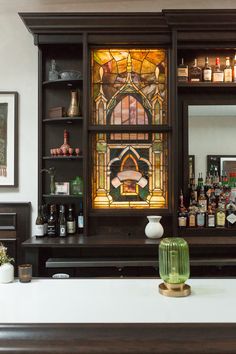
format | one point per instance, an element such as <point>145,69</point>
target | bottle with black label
<point>81,219</point>
<point>62,229</point>
<point>52,222</point>
<point>39,224</point>
<point>45,218</point>
<point>70,222</point>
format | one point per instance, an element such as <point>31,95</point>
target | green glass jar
<point>76,186</point>
<point>174,266</point>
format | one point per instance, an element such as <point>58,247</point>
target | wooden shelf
<point>62,157</point>
<point>63,83</point>
<point>68,120</point>
<point>117,241</point>
<point>206,84</point>
<point>61,196</point>
<point>207,231</point>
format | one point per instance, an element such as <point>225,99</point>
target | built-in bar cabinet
<point>137,131</point>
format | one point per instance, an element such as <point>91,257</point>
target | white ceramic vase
<point>6,273</point>
<point>154,229</point>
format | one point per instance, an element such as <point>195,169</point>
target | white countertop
<point>115,301</point>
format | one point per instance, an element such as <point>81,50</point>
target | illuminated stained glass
<point>129,88</point>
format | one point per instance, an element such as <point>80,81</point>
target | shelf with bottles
<point>211,205</point>
<point>59,220</point>
<point>206,67</point>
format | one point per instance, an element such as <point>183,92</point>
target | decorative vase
<point>73,110</point>
<point>6,273</point>
<point>154,229</point>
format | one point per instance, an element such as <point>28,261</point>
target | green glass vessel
<point>174,260</point>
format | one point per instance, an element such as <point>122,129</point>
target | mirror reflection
<point>212,141</point>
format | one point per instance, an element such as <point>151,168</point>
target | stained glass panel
<point>129,88</point>
<point>133,82</point>
<point>135,173</point>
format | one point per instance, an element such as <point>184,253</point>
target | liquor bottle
<point>45,218</point>
<point>53,73</point>
<point>195,73</point>
<point>218,74</point>
<point>62,232</point>
<point>220,217</point>
<point>231,214</point>
<point>182,214</point>
<point>228,72</point>
<point>39,224</point>
<point>202,200</point>
<point>70,222</point>
<point>52,221</point>
<point>210,217</point>
<point>200,218</point>
<point>81,219</point>
<point>234,74</point>
<point>182,72</point>
<point>207,71</point>
<point>192,217</point>
<point>212,201</point>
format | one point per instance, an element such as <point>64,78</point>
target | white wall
<point>18,69</point>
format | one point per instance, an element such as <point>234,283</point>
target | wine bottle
<point>39,224</point>
<point>62,230</point>
<point>70,222</point>
<point>81,219</point>
<point>52,222</point>
<point>45,218</point>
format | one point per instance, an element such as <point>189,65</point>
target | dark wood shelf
<point>123,241</point>
<point>62,157</point>
<point>199,232</point>
<point>62,83</point>
<point>68,120</point>
<point>206,84</point>
<point>61,196</point>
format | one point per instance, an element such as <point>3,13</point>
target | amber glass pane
<point>135,174</point>
<point>130,86</point>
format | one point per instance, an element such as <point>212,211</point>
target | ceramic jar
<point>6,273</point>
<point>154,229</point>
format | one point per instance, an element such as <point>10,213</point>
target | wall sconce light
<point>174,267</point>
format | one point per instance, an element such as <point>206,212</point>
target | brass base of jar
<point>174,290</point>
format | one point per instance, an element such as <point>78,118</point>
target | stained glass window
<point>129,89</point>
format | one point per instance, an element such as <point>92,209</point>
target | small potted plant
<point>6,268</point>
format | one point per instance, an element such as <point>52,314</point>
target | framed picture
<point>221,164</point>
<point>62,188</point>
<point>8,139</point>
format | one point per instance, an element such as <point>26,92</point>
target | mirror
<point>212,138</point>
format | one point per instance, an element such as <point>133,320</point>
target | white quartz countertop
<point>115,301</point>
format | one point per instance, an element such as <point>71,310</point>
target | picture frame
<point>8,139</point>
<point>62,188</point>
<point>221,164</point>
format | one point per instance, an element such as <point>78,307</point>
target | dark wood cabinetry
<point>69,39</point>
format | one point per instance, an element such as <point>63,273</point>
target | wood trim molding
<point>118,338</point>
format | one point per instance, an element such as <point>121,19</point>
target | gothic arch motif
<point>129,169</point>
